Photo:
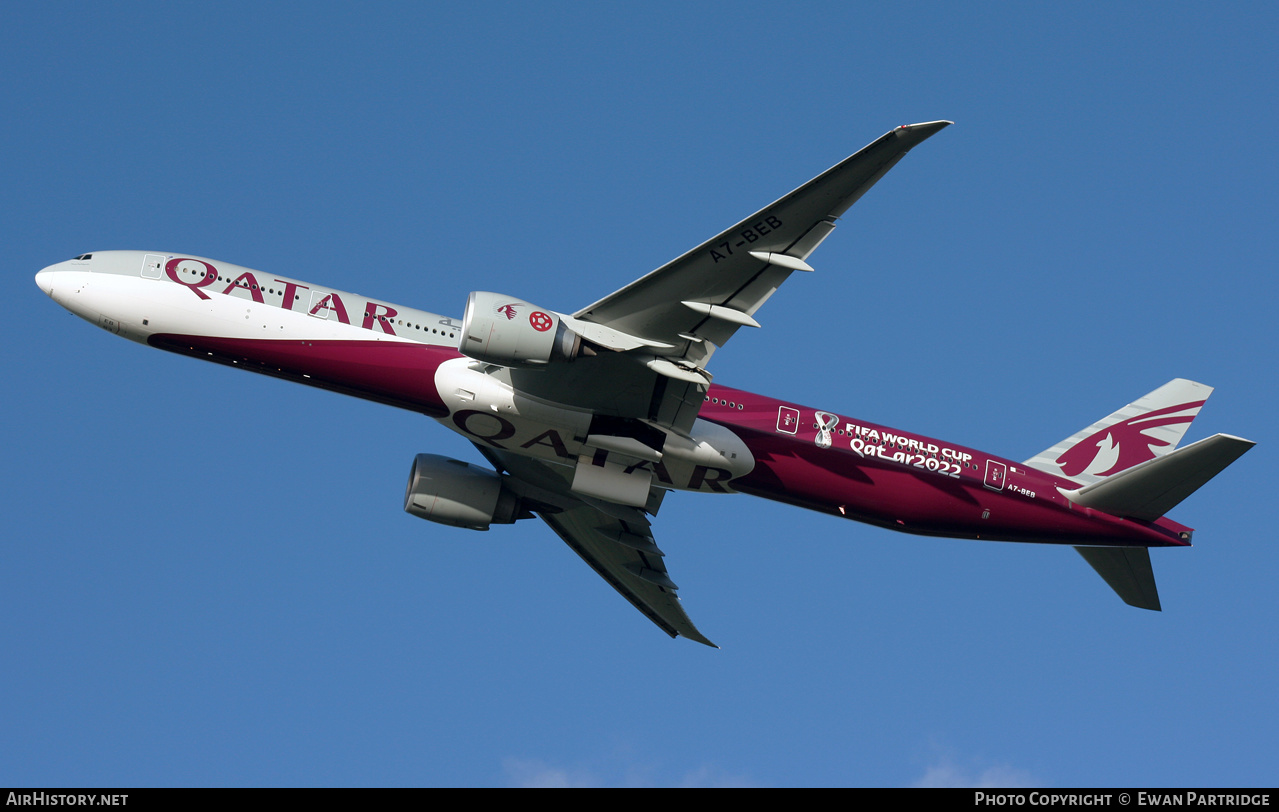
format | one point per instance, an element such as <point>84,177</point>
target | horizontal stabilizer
<point>1128,571</point>
<point>1151,489</point>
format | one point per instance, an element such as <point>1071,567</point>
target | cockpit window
<point>84,256</point>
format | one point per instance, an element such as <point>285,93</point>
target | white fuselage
<point>365,347</point>
<point>137,295</point>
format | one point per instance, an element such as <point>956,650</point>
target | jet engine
<point>510,332</point>
<point>449,491</point>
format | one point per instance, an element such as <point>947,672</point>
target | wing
<point>614,540</point>
<point>630,561</point>
<point>664,326</point>
<point>697,302</point>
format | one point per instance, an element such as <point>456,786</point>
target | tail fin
<point>1128,467</point>
<point>1143,430</point>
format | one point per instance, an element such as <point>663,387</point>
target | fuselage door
<point>996,475</point>
<point>787,419</point>
<point>152,266</point>
<point>323,303</point>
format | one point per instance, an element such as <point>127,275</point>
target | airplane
<point>587,420</point>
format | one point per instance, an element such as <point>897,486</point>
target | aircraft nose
<point>44,279</point>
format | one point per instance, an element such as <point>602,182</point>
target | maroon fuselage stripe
<point>396,373</point>
<point>790,466</point>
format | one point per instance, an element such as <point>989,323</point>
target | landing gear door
<point>996,475</point>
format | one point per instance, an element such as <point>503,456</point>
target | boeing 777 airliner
<point>587,420</point>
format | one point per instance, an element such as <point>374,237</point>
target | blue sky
<point>207,577</point>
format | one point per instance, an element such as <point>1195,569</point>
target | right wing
<point>630,561</point>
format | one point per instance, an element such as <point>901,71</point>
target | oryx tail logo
<point>508,310</point>
<point>1120,446</point>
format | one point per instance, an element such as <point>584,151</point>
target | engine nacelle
<point>449,491</point>
<point>510,332</point>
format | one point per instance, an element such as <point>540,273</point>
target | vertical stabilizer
<point>1143,430</point>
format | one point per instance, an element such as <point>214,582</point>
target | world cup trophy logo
<point>826,423</point>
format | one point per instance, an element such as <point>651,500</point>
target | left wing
<point>615,540</point>
<point>664,326</point>
<point>697,301</point>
